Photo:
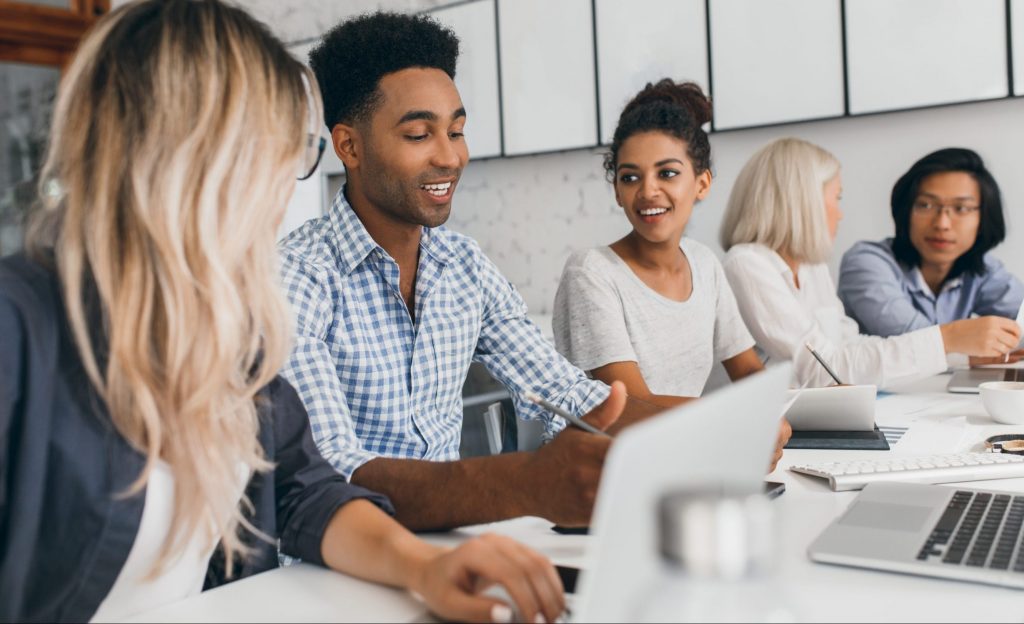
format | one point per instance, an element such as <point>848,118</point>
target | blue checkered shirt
<point>377,384</point>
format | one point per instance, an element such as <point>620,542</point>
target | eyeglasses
<point>314,152</point>
<point>929,208</point>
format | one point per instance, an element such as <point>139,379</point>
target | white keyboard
<point>951,468</point>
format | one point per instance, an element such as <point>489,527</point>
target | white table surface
<point>938,422</point>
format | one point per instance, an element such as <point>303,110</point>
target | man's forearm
<point>641,409</point>
<point>442,495</point>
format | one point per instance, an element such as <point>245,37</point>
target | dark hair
<point>352,57</point>
<point>991,227</point>
<point>677,109</point>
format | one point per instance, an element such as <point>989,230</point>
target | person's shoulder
<point>30,305</point>
<point>705,264</point>
<point>463,255</point>
<point>597,266</point>
<point>871,250</point>
<point>462,247</point>
<point>598,259</point>
<point>281,393</point>
<point>993,265</point>
<point>307,256</point>
<point>308,246</point>
<point>747,250</point>
<point>27,283</point>
<point>699,253</point>
<point>749,256</point>
<point>871,260</point>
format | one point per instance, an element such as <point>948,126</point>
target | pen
<point>569,418</point>
<point>827,368</point>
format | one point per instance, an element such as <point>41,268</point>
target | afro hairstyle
<point>350,60</point>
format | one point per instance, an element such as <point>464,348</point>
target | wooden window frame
<point>44,35</point>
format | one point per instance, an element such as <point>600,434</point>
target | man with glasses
<point>937,269</point>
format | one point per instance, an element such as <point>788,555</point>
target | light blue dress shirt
<point>378,384</point>
<point>887,299</point>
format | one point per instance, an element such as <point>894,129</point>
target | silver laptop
<point>930,530</point>
<point>725,441</point>
<point>967,381</point>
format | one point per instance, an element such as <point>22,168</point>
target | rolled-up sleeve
<point>515,352</point>
<point>308,491</point>
<point>782,326</point>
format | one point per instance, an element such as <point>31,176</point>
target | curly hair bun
<point>676,109</point>
<point>687,95</point>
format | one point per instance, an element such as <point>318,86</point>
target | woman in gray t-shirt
<point>654,309</point>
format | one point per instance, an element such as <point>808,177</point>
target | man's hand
<point>785,433</point>
<point>983,336</point>
<point>564,474</point>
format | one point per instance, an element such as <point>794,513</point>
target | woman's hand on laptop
<point>452,582</point>
<point>563,475</point>
<point>785,433</point>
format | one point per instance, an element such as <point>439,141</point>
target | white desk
<point>938,422</point>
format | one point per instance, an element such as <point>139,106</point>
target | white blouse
<point>134,592</point>
<point>783,318</point>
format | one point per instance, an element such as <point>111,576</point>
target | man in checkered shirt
<point>392,307</point>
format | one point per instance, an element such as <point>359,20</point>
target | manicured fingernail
<point>501,614</point>
<point>539,619</point>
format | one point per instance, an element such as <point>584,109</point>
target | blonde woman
<point>146,443</point>
<point>778,229</point>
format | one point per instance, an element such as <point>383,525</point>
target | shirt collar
<point>916,280</point>
<point>775,258</point>
<point>435,242</point>
<point>354,243</point>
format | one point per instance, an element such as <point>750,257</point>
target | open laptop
<point>723,441</point>
<point>931,530</point>
<point>967,381</point>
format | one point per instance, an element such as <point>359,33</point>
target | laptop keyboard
<point>979,529</point>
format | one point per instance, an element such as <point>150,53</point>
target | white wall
<point>530,212</point>
<point>297,20</point>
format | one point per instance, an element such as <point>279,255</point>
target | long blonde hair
<point>177,133</point>
<point>778,200</point>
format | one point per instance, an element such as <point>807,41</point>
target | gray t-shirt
<point>604,313</point>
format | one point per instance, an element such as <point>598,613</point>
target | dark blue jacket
<point>64,531</point>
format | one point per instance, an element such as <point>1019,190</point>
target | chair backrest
<point>494,425</point>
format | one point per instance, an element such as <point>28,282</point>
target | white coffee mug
<point>1004,401</point>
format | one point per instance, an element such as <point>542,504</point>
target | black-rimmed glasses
<point>314,152</point>
<point>929,208</point>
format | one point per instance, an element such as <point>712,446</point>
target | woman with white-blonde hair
<point>778,230</point>
<point>147,445</point>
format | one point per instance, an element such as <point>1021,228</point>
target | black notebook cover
<point>844,440</point>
